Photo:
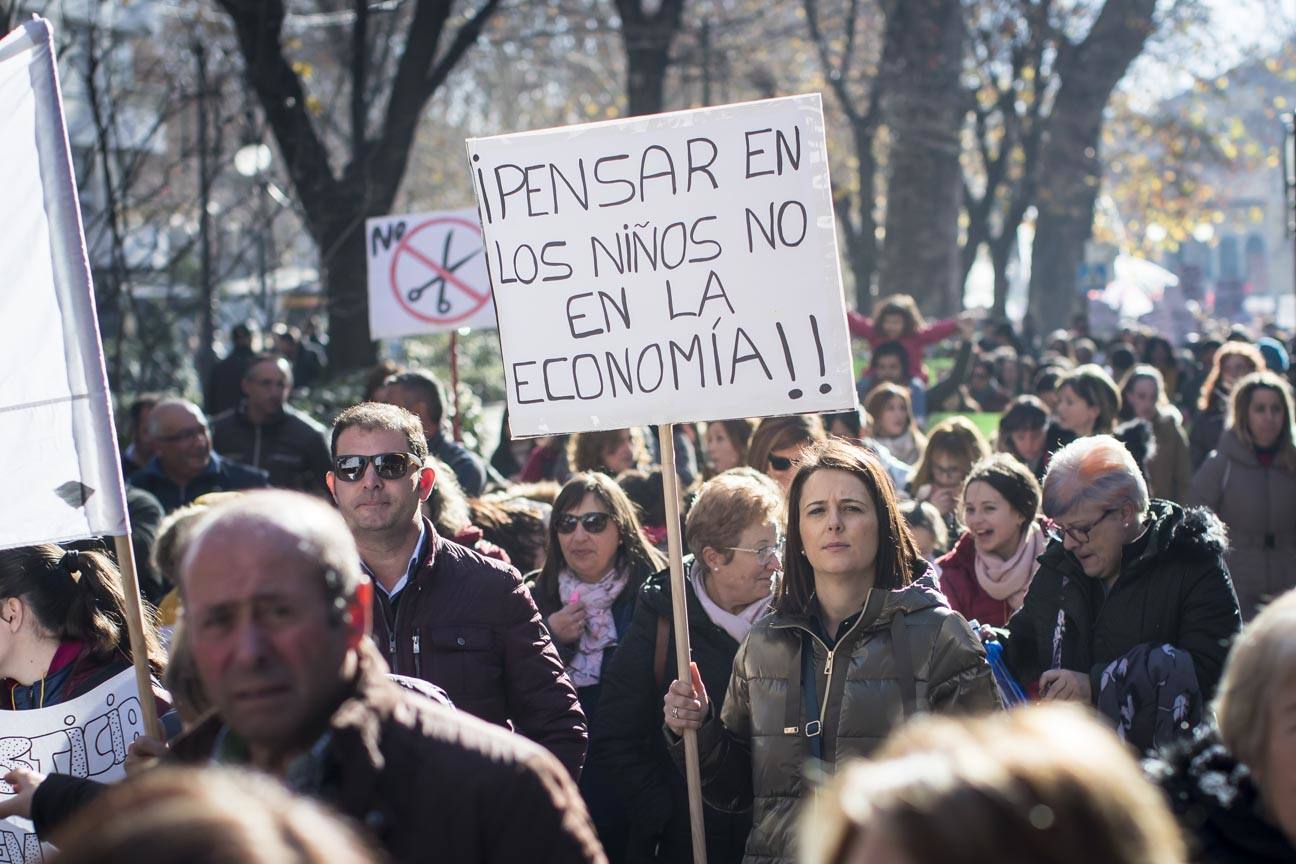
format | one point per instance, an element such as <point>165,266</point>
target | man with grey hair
<point>1132,609</point>
<point>184,466</point>
<point>277,616</point>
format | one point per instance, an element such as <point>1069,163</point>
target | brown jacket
<point>431,783</point>
<point>1170,470</point>
<point>1258,504</point>
<point>467,624</point>
<point>756,752</point>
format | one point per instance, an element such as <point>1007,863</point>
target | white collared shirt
<point>419,548</point>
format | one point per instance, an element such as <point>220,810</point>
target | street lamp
<point>252,161</point>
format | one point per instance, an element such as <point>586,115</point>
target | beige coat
<point>1258,505</point>
<point>1169,471</point>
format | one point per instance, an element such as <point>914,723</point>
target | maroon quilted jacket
<point>467,624</point>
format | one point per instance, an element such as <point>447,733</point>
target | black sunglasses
<point>389,466</point>
<point>780,463</point>
<point>593,523</point>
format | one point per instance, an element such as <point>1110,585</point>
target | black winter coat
<point>1217,804</point>
<point>1176,591</point>
<point>627,737</point>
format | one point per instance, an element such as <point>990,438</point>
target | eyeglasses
<point>948,472</point>
<point>182,435</point>
<point>779,463</point>
<point>389,466</point>
<point>1057,531</point>
<point>766,556</point>
<point>593,522</point>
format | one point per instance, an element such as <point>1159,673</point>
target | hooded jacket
<point>1175,590</point>
<point>1258,504</point>
<point>755,754</point>
<point>1217,804</point>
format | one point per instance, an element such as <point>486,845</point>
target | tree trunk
<point>924,110</point>
<point>336,204</point>
<point>1070,170</point>
<point>344,272</point>
<point>1001,250</point>
<point>648,41</point>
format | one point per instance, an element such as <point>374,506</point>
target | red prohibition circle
<point>405,247</point>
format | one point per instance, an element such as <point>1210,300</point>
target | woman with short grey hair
<point>1132,609</point>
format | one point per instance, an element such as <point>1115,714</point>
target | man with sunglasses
<point>442,612</point>
<point>184,466</point>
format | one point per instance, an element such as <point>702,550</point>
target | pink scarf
<point>586,665</point>
<point>1008,579</point>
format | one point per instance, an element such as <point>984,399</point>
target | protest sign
<point>56,422</point>
<point>427,274</point>
<point>85,737</point>
<point>668,268</point>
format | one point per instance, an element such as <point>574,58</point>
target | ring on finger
<point>675,713</point>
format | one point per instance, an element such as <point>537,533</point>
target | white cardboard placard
<point>85,737</point>
<point>670,268</point>
<point>427,274</point>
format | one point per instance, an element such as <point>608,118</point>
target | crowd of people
<point>440,653</point>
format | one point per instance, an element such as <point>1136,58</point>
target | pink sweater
<point>914,343</point>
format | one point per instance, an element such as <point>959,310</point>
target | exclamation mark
<point>795,392</point>
<point>825,387</point>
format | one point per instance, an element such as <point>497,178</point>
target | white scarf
<point>586,666</point>
<point>736,625</point>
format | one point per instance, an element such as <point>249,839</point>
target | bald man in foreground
<point>276,617</point>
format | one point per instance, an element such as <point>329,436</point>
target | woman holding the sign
<point>62,626</point>
<point>859,640</point>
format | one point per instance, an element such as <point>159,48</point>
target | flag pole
<point>679,612</point>
<point>135,629</point>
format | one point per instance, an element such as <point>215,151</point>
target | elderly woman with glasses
<point>1132,609</point>
<point>734,532</point>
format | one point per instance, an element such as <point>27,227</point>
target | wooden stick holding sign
<point>679,612</point>
<point>135,629</point>
<point>457,424</point>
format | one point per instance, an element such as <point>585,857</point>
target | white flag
<point>62,473</point>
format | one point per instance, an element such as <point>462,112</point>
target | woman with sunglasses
<point>596,559</point>
<point>595,562</point>
<point>1131,610</point>
<point>859,639</point>
<point>734,532</point>
<point>778,443</point>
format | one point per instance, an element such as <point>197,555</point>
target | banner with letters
<point>669,268</point>
<point>85,737</point>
